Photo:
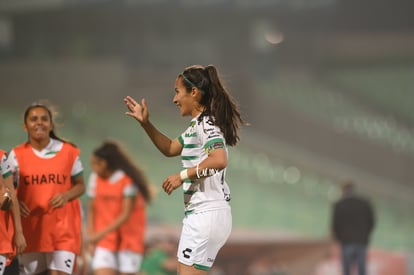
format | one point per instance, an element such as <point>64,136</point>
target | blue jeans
<point>354,254</point>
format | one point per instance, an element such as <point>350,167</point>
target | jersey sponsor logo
<point>209,131</point>
<point>213,135</point>
<point>210,122</point>
<point>186,253</point>
<point>45,179</point>
<point>210,260</point>
<point>206,130</point>
<point>191,132</point>
<point>187,135</point>
<point>214,146</point>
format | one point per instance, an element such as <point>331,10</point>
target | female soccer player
<point>49,176</point>
<point>118,192</point>
<point>215,120</point>
<point>12,240</point>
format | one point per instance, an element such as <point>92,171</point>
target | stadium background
<point>327,86</point>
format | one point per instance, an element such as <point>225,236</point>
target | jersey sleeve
<point>181,139</point>
<point>14,166</point>
<point>5,169</point>
<point>91,189</point>
<point>211,136</point>
<point>130,190</point>
<point>77,168</point>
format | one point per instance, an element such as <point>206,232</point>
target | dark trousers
<point>354,255</point>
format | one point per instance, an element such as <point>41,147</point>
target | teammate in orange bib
<point>12,240</point>
<point>48,172</point>
<point>118,193</point>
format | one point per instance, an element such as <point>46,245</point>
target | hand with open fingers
<point>171,183</point>
<point>59,200</point>
<point>136,110</point>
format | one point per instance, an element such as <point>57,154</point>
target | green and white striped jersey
<point>211,192</point>
<point>5,168</point>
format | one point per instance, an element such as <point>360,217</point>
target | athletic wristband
<point>184,175</point>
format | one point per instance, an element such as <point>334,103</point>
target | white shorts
<point>37,262</point>
<point>123,261</point>
<point>202,236</point>
<point>3,261</point>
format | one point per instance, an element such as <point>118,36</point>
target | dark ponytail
<point>218,103</point>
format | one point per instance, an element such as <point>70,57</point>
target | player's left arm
<point>216,161</point>
<point>77,181</point>
<point>77,189</point>
<point>77,186</point>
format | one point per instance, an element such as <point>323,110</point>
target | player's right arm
<point>168,147</point>
<point>19,239</point>
<point>164,144</point>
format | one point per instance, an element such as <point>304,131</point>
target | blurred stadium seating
<point>327,101</point>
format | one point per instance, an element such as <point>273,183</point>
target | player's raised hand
<point>136,110</point>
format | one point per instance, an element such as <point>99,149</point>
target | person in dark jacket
<point>353,221</point>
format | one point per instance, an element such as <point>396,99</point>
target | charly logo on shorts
<point>68,263</point>
<point>186,251</point>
